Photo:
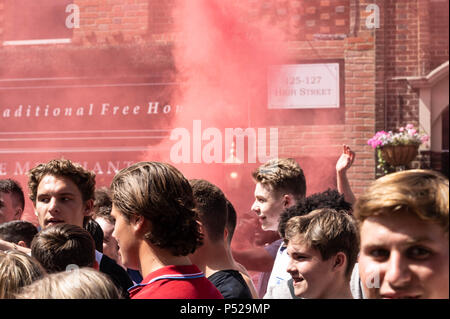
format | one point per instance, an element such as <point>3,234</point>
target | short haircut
<point>103,204</point>
<point>83,283</point>
<point>162,195</point>
<point>330,198</point>
<point>328,231</point>
<point>231,221</point>
<point>17,270</point>
<point>18,230</point>
<point>282,175</point>
<point>96,232</point>
<point>13,187</point>
<point>211,205</point>
<point>82,178</point>
<point>61,245</point>
<point>423,193</point>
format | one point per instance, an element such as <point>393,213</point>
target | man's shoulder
<point>231,284</point>
<point>273,247</point>
<point>116,272</point>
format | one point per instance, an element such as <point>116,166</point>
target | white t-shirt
<point>279,275</point>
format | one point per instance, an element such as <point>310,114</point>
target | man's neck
<point>153,258</point>
<point>213,257</point>
<point>341,290</point>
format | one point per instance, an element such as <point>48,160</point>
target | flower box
<point>397,149</point>
<point>399,154</point>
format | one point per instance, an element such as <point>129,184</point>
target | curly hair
<point>162,195</point>
<point>330,198</point>
<point>282,175</point>
<point>84,179</point>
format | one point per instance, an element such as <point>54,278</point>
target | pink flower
<point>401,129</point>
<point>425,138</point>
<point>409,126</point>
<point>412,131</point>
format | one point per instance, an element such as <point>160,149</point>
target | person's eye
<point>418,252</point>
<point>299,257</point>
<point>44,199</point>
<point>379,254</point>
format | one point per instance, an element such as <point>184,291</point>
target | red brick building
<point>73,73</point>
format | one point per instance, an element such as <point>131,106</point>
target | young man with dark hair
<point>156,228</point>
<point>62,245</point>
<point>63,192</point>
<point>322,247</point>
<point>19,232</point>
<point>213,257</point>
<point>12,201</point>
<point>102,215</point>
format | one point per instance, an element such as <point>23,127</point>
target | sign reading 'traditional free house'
<point>304,86</point>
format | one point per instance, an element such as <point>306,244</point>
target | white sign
<point>303,86</point>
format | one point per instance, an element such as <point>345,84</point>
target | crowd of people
<point>154,234</point>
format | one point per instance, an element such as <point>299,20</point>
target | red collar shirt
<point>175,282</point>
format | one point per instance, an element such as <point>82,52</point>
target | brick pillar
<point>423,37</point>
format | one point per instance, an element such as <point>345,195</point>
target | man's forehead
<point>58,183</point>
<point>265,190</point>
<point>298,244</point>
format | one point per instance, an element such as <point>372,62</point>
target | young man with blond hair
<point>403,224</point>
<point>323,248</point>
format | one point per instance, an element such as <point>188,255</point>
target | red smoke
<point>221,57</point>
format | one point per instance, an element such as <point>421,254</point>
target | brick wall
<point>112,21</point>
<point>439,17</point>
<point>412,40</point>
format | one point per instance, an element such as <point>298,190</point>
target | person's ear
<point>22,244</point>
<point>288,200</point>
<point>88,207</point>
<point>339,261</point>
<point>19,212</point>
<point>225,234</point>
<point>140,224</point>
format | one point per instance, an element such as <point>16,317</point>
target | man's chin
<point>49,224</point>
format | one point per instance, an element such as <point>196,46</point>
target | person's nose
<point>291,267</point>
<point>255,207</point>
<point>397,272</point>
<point>53,205</point>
